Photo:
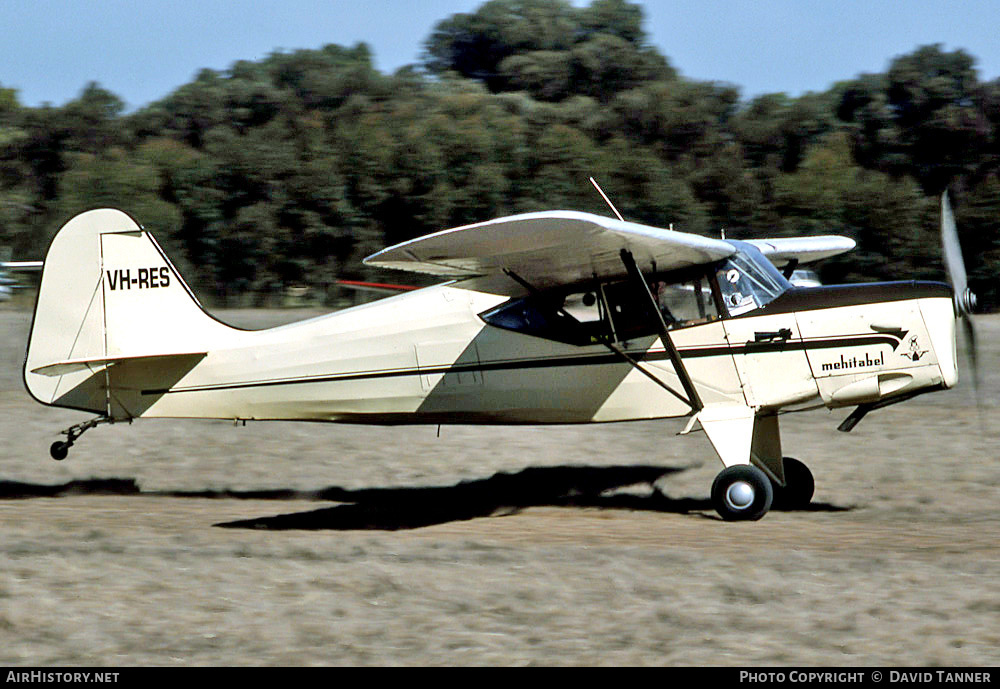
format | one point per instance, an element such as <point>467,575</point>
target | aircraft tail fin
<point>109,296</point>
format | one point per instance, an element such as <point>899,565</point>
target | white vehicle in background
<point>804,277</point>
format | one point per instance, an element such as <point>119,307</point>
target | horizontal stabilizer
<point>70,365</point>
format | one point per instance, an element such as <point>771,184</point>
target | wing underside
<point>547,249</point>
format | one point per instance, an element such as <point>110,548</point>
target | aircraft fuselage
<point>428,357</point>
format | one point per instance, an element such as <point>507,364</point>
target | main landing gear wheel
<point>799,486</point>
<point>742,493</point>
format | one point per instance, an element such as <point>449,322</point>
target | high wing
<point>783,251</point>
<point>547,249</point>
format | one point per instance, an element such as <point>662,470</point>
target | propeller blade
<point>965,300</point>
<point>972,352</point>
<point>953,262</point>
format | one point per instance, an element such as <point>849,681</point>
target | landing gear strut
<point>742,492</point>
<point>60,449</point>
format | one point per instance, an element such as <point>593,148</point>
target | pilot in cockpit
<point>663,291</point>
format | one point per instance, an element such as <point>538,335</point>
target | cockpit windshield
<point>747,284</point>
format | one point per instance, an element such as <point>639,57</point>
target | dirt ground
<point>201,543</point>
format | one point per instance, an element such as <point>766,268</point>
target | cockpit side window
<point>577,318</point>
<point>618,311</point>
<point>609,311</point>
<point>681,303</point>
<point>685,302</point>
<point>534,316</point>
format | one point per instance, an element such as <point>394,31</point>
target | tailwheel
<point>60,449</point>
<point>742,492</point>
<point>798,489</point>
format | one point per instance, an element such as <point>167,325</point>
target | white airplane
<point>546,318</point>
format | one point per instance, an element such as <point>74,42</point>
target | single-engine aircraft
<point>552,317</point>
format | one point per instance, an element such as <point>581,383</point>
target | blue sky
<point>143,49</point>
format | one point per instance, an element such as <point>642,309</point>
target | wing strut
<point>636,276</point>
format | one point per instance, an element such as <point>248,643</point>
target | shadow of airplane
<point>392,509</point>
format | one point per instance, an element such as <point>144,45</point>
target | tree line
<point>287,171</point>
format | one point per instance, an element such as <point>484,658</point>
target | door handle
<point>771,336</point>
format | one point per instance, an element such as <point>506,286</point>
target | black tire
<point>59,450</point>
<point>742,493</point>
<point>799,487</point>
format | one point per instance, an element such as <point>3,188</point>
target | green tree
<point>92,120</point>
<point>614,18</point>
<point>548,48</point>
<point>831,194</point>
<point>474,45</point>
<point>923,118</point>
<point>775,130</point>
<point>116,180</point>
<point>290,169</point>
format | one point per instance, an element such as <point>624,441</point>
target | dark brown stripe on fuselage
<point>833,296</point>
